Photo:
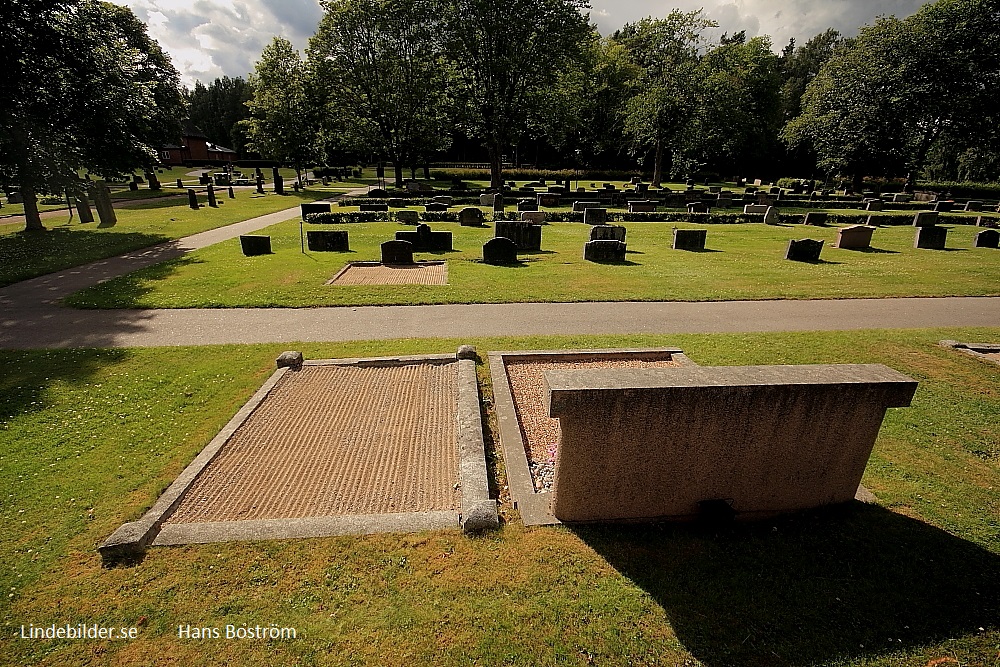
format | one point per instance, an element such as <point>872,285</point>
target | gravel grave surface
<point>338,440</point>
<point>539,431</point>
<point>432,274</point>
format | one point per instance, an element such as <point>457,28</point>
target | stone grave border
<point>477,510</point>
<point>534,506</point>
<point>977,350</point>
<point>417,264</point>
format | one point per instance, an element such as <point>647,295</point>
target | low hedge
<point>352,217</point>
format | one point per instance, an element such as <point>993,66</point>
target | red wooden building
<point>195,150</point>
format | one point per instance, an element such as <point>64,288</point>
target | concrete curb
<point>533,506</point>
<point>479,511</point>
<point>131,539</point>
<point>977,350</point>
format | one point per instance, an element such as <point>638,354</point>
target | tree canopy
<point>86,89</point>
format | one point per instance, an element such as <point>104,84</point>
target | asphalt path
<point>31,317</point>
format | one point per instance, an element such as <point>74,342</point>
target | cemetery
<point>478,333</point>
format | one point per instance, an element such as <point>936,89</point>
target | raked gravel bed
<point>539,431</point>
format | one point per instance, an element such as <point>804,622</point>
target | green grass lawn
<point>67,244</point>
<point>89,438</point>
<point>742,262</point>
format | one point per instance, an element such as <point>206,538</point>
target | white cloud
<point>210,38</point>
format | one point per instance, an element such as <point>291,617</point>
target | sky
<point>211,38</point>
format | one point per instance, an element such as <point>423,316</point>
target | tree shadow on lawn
<point>817,587</point>
<point>127,291</point>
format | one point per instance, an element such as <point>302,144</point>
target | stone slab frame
<point>533,506</point>
<point>478,509</point>
<point>650,444</point>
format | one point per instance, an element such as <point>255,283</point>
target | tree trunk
<point>413,172</point>
<point>397,170</point>
<point>658,164</point>
<point>427,171</point>
<point>496,169</point>
<point>857,183</point>
<point>32,221</point>
<point>298,174</point>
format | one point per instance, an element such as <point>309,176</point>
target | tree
<point>86,88</point>
<point>800,65</point>
<point>883,100</point>
<point>664,101</point>
<point>218,108</point>
<point>284,111</point>
<point>506,56</point>
<point>381,62</point>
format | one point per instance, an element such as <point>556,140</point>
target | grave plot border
<point>533,506</point>
<point>477,510</point>
<point>977,350</point>
<point>420,263</point>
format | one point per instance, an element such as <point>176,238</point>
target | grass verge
<point>741,262</point>
<point>90,437</point>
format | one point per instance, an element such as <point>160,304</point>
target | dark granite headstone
<point>815,219</point>
<point>500,250</point>
<point>974,205</point>
<point>987,239</point>
<point>549,199</point>
<point>925,219</point>
<point>133,186</point>
<point>255,245</point>
<point>83,208</point>
<point>435,207</point>
<point>211,196</point>
<point>232,194</point>
<point>526,236</point>
<point>323,240</point>
<point>470,216</point>
<point>527,205</point>
<point>180,184</point>
<point>604,251</point>
<point>373,208</point>
<point>425,240</point>
<point>397,252</point>
<point>804,250</point>
<point>397,202</point>
<point>407,217</point>
<point>607,233</point>
<point>315,207</point>
<point>645,206</point>
<point>279,182</point>
<point>944,206</point>
<point>260,184</point>
<point>192,199</point>
<point>931,237</point>
<point>856,237</point>
<point>595,216</point>
<point>690,239</point>
<point>581,206</point>
<point>697,207</point>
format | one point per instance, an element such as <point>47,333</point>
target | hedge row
<point>375,216</point>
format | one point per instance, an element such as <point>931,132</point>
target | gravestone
<point>426,240</point>
<point>232,194</point>
<point>471,216</point>
<point>690,239</point>
<point>815,219</point>
<point>607,233</point>
<point>441,199</point>
<point>804,250</point>
<point>500,250</point>
<point>610,186</point>
<point>756,209</point>
<point>931,237</point>
<point>604,251</point>
<point>498,203</point>
<point>697,207</point>
<point>987,239</point>
<point>986,221</point>
<point>377,193</point>
<point>397,202</point>
<point>279,182</point>
<point>526,236</point>
<point>925,219</point>
<point>373,208</point>
<point>486,200</point>
<point>260,184</point>
<point>407,217</point>
<point>636,180</point>
<point>315,207</point>
<point>323,240</point>
<point>435,207</point>
<point>211,196</point>
<point>715,189</point>
<point>548,199</point>
<point>102,202</point>
<point>255,245</point>
<point>180,184</point>
<point>193,199</point>
<point>595,216</point>
<point>83,208</point>
<point>133,186</point>
<point>944,206</point>
<point>581,206</point>
<point>204,179</point>
<point>902,197</point>
<point>974,205</point>
<point>873,204</point>
<point>645,206</point>
<point>527,205</point>
<point>397,252</point>
<point>771,216</point>
<point>855,237</point>
<point>534,217</point>
<point>642,188</point>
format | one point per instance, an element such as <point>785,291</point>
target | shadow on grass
<point>127,291</point>
<point>818,587</point>
<point>697,250</point>
<point>872,251</point>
